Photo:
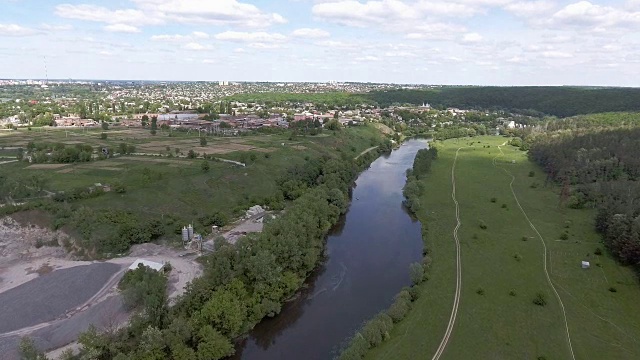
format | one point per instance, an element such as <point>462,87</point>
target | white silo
<point>190,229</point>
<point>185,234</point>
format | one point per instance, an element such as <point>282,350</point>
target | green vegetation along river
<point>367,263</point>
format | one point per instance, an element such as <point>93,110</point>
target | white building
<point>150,264</point>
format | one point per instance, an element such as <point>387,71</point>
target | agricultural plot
<point>593,315</point>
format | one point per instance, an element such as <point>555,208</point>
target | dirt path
<point>365,152</point>
<point>456,300</point>
<point>544,246</point>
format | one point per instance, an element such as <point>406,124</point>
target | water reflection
<point>367,262</point>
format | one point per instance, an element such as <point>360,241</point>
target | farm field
<point>173,188</point>
<point>503,269</point>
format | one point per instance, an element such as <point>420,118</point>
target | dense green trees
<point>559,101</point>
<point>599,170</point>
<point>421,166</point>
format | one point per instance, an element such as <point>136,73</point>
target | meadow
<point>503,268</point>
<point>174,189</point>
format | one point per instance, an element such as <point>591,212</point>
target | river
<point>367,263</point>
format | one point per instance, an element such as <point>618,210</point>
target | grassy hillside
<point>503,269</point>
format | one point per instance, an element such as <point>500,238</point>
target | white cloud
<point>218,12</point>
<point>156,12</point>
<point>194,46</point>
<point>435,31</point>
<point>261,36</point>
<point>311,33</point>
<point>200,35</point>
<point>101,14</point>
<point>123,28</point>
<point>51,27</point>
<point>169,38</point>
<point>367,58</point>
<point>16,30</point>
<point>471,38</point>
<point>599,18</point>
<point>208,61</point>
<point>556,54</point>
<point>530,9</point>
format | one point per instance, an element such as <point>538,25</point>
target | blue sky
<point>484,42</point>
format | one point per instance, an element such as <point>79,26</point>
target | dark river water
<point>367,263</point>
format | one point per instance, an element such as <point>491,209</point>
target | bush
<point>493,200</point>
<point>103,136</point>
<point>612,289</point>
<point>525,238</point>
<point>480,291</point>
<point>512,292</point>
<point>203,141</point>
<point>413,291</point>
<point>564,236</point>
<point>119,187</point>
<point>483,225</point>
<point>357,348</point>
<point>532,173</point>
<point>598,251</point>
<point>504,206</point>
<point>400,307</point>
<point>517,256</point>
<point>416,271</point>
<point>540,299</point>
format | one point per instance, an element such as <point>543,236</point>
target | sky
<point>479,42</point>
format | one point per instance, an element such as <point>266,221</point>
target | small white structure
<point>586,265</point>
<point>151,264</point>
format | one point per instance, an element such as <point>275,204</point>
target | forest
<point>599,170</point>
<point>557,101</point>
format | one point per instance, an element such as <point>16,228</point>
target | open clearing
<point>503,269</point>
<point>50,297</point>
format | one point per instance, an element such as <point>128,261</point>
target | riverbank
<point>366,264</point>
<point>503,268</point>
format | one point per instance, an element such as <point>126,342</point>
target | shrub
<point>416,271</point>
<point>534,185</point>
<point>540,299</point>
<point>103,136</point>
<point>564,236</point>
<point>400,307</point>
<point>512,292</point>
<point>480,291</point>
<point>598,251</point>
<point>203,141</point>
<point>532,173</point>
<point>524,238</point>
<point>504,206</point>
<point>357,348</point>
<point>517,256</point>
<point>612,289</point>
<point>493,200</point>
<point>413,291</point>
<point>483,225</point>
<point>372,333</point>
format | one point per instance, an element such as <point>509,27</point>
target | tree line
<point>599,170</point>
<point>558,101</point>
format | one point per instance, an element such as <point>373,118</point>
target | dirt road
<point>456,299</point>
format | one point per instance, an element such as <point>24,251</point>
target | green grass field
<point>505,261</point>
<point>178,186</point>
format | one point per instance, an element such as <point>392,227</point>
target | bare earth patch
<point>46,166</point>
